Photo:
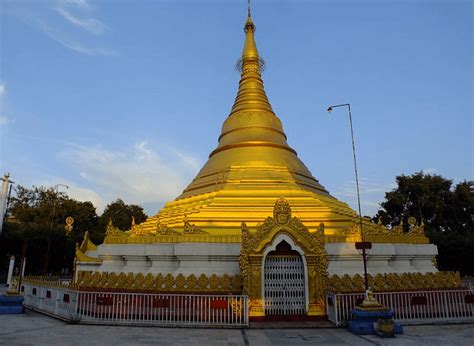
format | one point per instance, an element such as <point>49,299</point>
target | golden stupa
<point>253,210</point>
<point>252,166</point>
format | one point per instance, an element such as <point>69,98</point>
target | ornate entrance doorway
<point>284,282</point>
<point>283,266</point>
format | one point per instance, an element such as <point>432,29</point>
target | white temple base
<point>219,259</point>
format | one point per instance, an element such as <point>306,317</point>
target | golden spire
<point>250,48</point>
<point>252,138</point>
<point>251,95</point>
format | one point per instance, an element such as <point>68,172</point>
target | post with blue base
<point>372,318</point>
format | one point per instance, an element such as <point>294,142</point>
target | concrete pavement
<point>33,328</point>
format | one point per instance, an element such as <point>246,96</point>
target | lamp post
<point>362,246</point>
<point>5,193</point>
<point>46,260</point>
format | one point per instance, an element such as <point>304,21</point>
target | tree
<point>30,218</point>
<point>121,215</point>
<point>447,213</point>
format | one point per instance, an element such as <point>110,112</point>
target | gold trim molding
<point>395,282</point>
<point>159,282</point>
<point>163,234</point>
<point>378,233</point>
<point>86,245</point>
<point>373,232</point>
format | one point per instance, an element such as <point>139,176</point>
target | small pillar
<point>256,309</point>
<point>10,271</point>
<point>23,267</point>
<point>11,302</point>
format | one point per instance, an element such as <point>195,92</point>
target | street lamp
<point>362,246</point>
<point>46,260</point>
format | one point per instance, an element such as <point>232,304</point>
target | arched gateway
<point>284,266</point>
<point>284,280</point>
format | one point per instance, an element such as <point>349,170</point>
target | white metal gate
<point>284,288</point>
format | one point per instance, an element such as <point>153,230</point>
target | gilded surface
<point>378,233</point>
<point>395,282</point>
<point>158,282</point>
<point>191,229</point>
<point>164,230</point>
<point>189,233</point>
<point>69,224</point>
<point>86,245</point>
<point>251,166</point>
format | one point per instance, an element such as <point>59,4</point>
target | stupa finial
<point>250,47</point>
<point>251,93</point>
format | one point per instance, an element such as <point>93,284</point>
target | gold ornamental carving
<point>158,282</point>
<point>253,248</point>
<point>164,230</point>
<point>378,233</point>
<point>190,228</point>
<point>395,282</point>
<point>69,224</point>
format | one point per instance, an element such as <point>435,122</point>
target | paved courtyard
<point>32,328</point>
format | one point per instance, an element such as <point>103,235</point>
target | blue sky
<point>125,99</point>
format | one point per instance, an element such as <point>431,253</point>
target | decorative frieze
<point>395,282</point>
<point>164,234</point>
<point>159,282</point>
<point>379,233</point>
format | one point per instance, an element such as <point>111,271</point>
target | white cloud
<point>371,194</point>
<point>365,187</point>
<point>429,170</point>
<point>3,118</point>
<point>138,175</point>
<point>84,194</point>
<point>79,3</point>
<point>77,13</point>
<point>63,39</point>
<point>91,25</point>
<point>73,190</point>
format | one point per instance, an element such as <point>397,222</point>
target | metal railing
<point>409,307</point>
<point>138,308</point>
<point>468,283</point>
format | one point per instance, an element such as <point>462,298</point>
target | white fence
<point>57,301</point>
<point>468,283</point>
<point>138,308</point>
<point>409,307</point>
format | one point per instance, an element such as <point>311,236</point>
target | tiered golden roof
<point>252,166</point>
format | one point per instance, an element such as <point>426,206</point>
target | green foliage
<point>30,218</point>
<point>447,212</point>
<point>121,215</point>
